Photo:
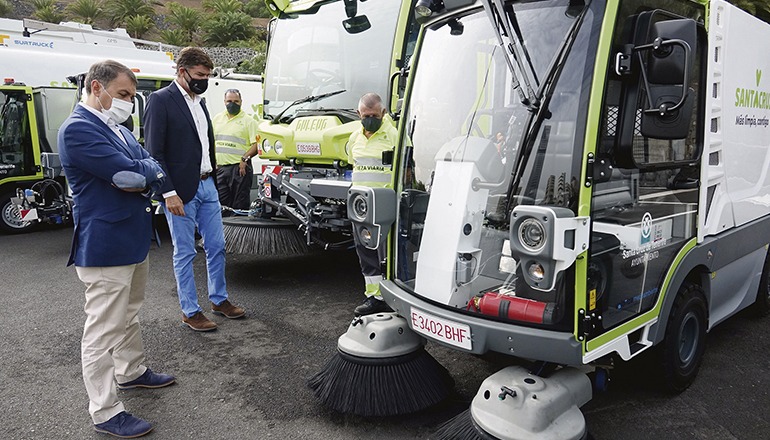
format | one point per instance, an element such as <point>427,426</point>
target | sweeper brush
<point>381,369</point>
<point>258,236</point>
<point>514,404</point>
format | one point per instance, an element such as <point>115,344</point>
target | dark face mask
<point>233,108</point>
<point>371,123</point>
<point>197,86</point>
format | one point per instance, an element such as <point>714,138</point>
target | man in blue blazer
<point>178,133</point>
<point>111,178</point>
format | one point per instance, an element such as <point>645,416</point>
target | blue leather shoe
<point>124,425</point>
<point>148,380</point>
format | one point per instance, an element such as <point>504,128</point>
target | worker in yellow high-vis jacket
<point>236,140</point>
<point>377,134</point>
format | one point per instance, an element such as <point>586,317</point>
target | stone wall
<point>222,56</point>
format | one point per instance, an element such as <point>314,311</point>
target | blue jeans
<point>204,212</point>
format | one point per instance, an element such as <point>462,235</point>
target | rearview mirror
<point>355,25</point>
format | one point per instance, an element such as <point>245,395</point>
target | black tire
<point>10,222</point>
<point>761,306</point>
<point>685,340</point>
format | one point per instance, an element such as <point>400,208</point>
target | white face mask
<point>119,111</point>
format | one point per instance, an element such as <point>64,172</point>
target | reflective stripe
<point>362,176</point>
<point>373,280</point>
<point>229,138</point>
<point>372,290</point>
<point>229,150</point>
<point>369,162</point>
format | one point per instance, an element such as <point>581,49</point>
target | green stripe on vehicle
<point>651,314</point>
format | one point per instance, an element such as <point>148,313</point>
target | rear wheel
<point>10,220</point>
<point>685,339</point>
<point>761,306</point>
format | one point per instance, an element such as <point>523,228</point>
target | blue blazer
<point>171,137</point>
<point>112,227</point>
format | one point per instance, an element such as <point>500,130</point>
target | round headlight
<point>266,147</point>
<point>532,234</point>
<point>536,271</point>
<point>360,207</point>
<point>278,147</point>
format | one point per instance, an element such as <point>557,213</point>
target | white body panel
<point>453,204</point>
<point>736,158</point>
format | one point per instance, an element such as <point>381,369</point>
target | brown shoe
<point>228,310</point>
<point>199,322</point>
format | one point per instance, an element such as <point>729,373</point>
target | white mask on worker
<point>119,111</point>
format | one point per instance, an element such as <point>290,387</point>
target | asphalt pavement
<point>247,379</point>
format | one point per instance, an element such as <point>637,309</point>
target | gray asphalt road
<point>247,380</point>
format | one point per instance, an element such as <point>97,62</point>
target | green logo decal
<point>759,76</point>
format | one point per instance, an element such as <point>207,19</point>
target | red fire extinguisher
<point>513,307</point>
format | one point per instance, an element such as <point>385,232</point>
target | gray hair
<point>371,100</point>
<point>105,72</point>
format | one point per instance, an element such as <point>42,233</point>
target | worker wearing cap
<point>377,134</point>
<point>236,140</point>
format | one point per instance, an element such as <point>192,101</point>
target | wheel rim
<point>689,338</point>
<point>11,217</point>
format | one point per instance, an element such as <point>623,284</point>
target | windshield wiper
<point>502,23</point>
<point>311,98</point>
<point>543,98</point>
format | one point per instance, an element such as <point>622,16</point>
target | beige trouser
<point>111,348</point>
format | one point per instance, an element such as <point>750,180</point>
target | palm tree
<point>119,11</point>
<point>187,19</point>
<point>222,28</point>
<point>5,8</point>
<point>49,14</point>
<point>222,6</point>
<point>138,25</point>
<point>42,4</point>
<point>175,37</point>
<point>87,11</point>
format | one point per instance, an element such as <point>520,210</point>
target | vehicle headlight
<point>532,234</point>
<point>536,271</point>
<point>366,235</point>
<point>266,147</point>
<point>278,147</point>
<point>360,208</point>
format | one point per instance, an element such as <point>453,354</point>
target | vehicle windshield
<point>15,136</point>
<point>313,54</point>
<point>467,125</point>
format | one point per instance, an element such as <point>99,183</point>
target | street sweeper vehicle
<point>577,182</point>
<point>322,57</point>
<point>30,171</point>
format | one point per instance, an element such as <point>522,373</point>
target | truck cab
<point>578,180</point>
<point>29,121</point>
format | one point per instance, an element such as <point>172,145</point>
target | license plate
<point>310,149</point>
<point>444,330</point>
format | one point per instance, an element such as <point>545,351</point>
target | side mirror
<point>372,212</point>
<point>670,63</point>
<point>657,101</point>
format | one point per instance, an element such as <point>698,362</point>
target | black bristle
<point>381,387</point>
<point>263,238</point>
<point>461,427</point>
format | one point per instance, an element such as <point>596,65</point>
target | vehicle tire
<point>761,306</point>
<point>10,222</point>
<point>685,339</point>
